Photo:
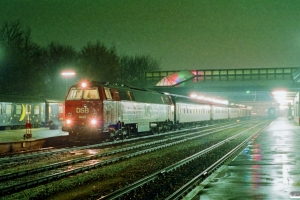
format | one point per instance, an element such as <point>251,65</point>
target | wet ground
<point>269,168</point>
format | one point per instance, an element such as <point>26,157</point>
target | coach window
<point>0,109</point>
<point>18,109</point>
<point>8,109</point>
<point>42,110</point>
<point>28,109</point>
<point>75,94</point>
<point>36,110</point>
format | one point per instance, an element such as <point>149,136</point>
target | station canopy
<point>176,78</point>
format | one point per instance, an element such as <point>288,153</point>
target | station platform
<point>268,168</point>
<point>37,133</point>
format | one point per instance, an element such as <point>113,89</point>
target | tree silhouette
<point>18,66</point>
<point>58,58</point>
<point>99,63</point>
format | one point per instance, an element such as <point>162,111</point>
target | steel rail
<point>56,176</point>
<point>73,161</point>
<point>125,190</point>
<point>196,180</point>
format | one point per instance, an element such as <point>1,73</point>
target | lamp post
<point>67,74</point>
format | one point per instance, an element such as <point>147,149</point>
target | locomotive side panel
<point>111,113</point>
<point>135,112</point>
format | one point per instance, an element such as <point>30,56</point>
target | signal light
<point>68,121</point>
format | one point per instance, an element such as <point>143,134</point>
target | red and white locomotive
<point>98,111</point>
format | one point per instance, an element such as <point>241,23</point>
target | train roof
<point>176,97</point>
<point>120,87</point>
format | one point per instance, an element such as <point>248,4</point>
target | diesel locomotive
<point>99,111</point>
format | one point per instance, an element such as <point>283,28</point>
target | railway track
<point>17,181</point>
<point>160,183</point>
<point>18,158</point>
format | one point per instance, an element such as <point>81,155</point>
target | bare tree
<point>18,65</point>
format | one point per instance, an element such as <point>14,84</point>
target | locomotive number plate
<point>82,110</point>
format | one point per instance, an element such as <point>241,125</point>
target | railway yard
<point>161,166</point>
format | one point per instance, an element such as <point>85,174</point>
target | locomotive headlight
<point>93,122</point>
<point>83,84</point>
<point>68,121</point>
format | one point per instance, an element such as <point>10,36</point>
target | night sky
<point>182,34</point>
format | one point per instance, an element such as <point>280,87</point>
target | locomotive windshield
<point>77,94</point>
<point>91,93</point>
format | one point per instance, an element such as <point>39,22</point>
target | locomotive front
<point>83,108</point>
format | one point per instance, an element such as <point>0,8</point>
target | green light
<point>247,91</point>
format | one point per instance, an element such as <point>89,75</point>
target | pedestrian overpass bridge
<point>254,87</point>
<point>234,84</point>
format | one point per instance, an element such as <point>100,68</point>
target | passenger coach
<point>16,110</point>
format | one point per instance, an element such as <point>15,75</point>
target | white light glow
<point>282,107</point>
<point>193,96</point>
<point>83,84</point>
<point>68,73</point>
<point>280,96</point>
<point>94,121</point>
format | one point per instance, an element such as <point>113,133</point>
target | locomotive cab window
<point>91,93</point>
<point>130,96</point>
<point>75,94</point>
<point>107,94</point>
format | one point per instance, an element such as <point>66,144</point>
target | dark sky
<point>183,34</point>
